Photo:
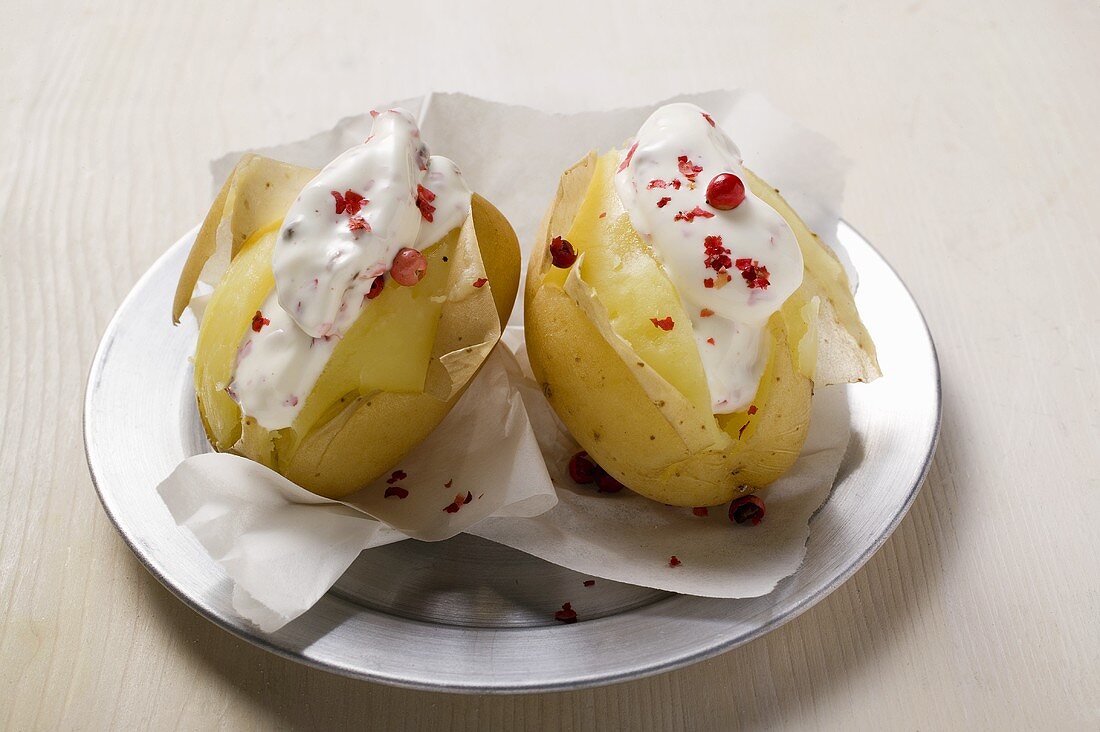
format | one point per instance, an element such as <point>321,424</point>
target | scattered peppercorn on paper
<point>501,451</point>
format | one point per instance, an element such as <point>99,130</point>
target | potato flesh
<point>601,400</point>
<point>387,349</point>
<point>234,302</point>
<point>634,288</point>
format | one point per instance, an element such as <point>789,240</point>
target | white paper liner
<point>284,547</point>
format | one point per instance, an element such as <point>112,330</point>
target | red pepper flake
<point>396,490</point>
<point>674,561</point>
<point>693,214</point>
<point>358,223</point>
<point>700,511</point>
<point>259,321</point>
<point>567,614</point>
<point>688,169</point>
<point>396,476</point>
<point>717,256</point>
<point>603,214</point>
<point>725,192</point>
<point>706,313</point>
<point>589,583</point>
<point>747,508</point>
<point>666,323</point>
<point>409,267</point>
<point>742,430</point>
<point>708,282</point>
<point>424,199</point>
<point>562,253</point>
<point>376,287</point>
<point>754,274</point>
<point>469,497</point>
<point>480,282</point>
<point>752,409</point>
<point>663,202</point>
<point>582,470</point>
<point>349,203</point>
<point>459,501</point>
<point>627,159</point>
<point>374,113</point>
<point>449,483</point>
<point>658,183</point>
<point>710,341</point>
<point>708,118</point>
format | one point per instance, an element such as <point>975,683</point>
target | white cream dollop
<point>662,184</point>
<point>340,234</point>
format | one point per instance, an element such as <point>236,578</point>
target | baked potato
<point>636,396</point>
<point>389,379</point>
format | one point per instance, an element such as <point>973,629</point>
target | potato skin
<point>366,433</point>
<point>599,398</point>
<point>371,435</point>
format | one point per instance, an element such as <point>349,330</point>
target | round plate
<point>467,614</point>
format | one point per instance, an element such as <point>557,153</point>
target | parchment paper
<point>284,546</point>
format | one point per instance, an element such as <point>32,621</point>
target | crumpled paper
<point>284,547</point>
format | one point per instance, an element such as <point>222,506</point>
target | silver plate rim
<point>848,236</point>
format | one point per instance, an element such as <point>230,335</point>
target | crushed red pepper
<point>663,202</point>
<point>708,118</point>
<point>589,583</point>
<point>397,475</point>
<point>358,223</point>
<point>350,203</point>
<point>700,511</point>
<point>717,255</point>
<point>693,214</point>
<point>567,614</point>
<point>658,183</point>
<point>424,199</point>
<point>627,159</point>
<point>259,321</point>
<point>459,501</point>
<point>752,409</point>
<point>666,323</point>
<point>480,282</point>
<point>687,168</point>
<point>396,491</point>
<point>706,313</point>
<point>754,273</point>
<point>674,561</point>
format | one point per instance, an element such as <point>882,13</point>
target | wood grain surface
<point>972,129</point>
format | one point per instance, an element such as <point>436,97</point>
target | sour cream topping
<point>340,234</point>
<point>733,269</point>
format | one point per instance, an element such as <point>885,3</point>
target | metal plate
<point>467,614</point>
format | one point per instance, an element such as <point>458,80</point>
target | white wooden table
<point>972,127</point>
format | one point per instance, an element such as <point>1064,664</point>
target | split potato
<point>394,375</point>
<point>636,397</point>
